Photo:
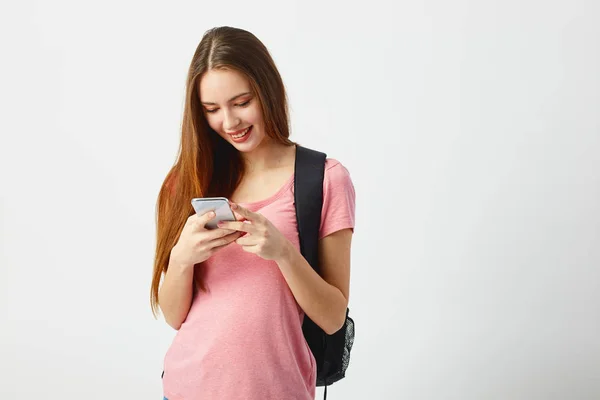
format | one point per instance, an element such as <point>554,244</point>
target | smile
<point>240,136</point>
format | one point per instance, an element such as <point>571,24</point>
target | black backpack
<point>332,352</point>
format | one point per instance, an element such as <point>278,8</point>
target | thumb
<point>203,219</point>
<point>239,217</point>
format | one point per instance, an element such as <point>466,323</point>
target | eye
<point>211,111</point>
<point>244,104</point>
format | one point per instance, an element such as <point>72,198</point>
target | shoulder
<point>336,178</point>
<point>336,171</point>
<point>332,163</point>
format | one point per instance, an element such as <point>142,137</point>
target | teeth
<point>241,135</point>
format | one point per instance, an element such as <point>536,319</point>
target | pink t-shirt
<point>243,340</point>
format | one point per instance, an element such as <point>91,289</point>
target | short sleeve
<point>338,199</point>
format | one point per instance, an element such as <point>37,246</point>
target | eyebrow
<point>230,100</point>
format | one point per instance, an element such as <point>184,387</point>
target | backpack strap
<point>308,195</point>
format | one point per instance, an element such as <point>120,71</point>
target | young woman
<point>238,294</point>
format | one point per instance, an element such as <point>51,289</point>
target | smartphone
<point>220,205</point>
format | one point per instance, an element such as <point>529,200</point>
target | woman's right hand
<point>197,243</point>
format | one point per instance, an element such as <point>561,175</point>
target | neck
<point>267,156</point>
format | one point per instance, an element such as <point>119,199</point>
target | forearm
<point>322,302</point>
<point>175,295</point>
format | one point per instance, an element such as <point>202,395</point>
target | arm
<point>323,299</point>
<point>175,295</point>
<point>195,245</point>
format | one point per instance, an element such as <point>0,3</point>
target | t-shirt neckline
<point>254,205</point>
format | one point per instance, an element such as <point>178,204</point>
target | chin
<point>245,147</point>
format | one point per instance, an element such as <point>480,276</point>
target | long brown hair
<point>206,164</point>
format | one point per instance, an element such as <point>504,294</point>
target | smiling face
<point>231,108</point>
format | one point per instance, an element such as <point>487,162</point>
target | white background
<point>471,130</point>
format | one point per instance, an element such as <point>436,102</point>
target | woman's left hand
<point>262,237</point>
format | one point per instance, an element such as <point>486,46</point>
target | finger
<point>244,212</point>
<point>192,220</point>
<point>238,226</point>
<point>204,218</point>
<point>217,248</point>
<point>239,217</point>
<point>217,233</point>
<point>254,249</point>
<point>224,241</point>
<point>247,240</point>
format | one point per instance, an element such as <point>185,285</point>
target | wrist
<point>176,265</point>
<point>286,252</point>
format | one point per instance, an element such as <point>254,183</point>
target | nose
<point>230,121</point>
